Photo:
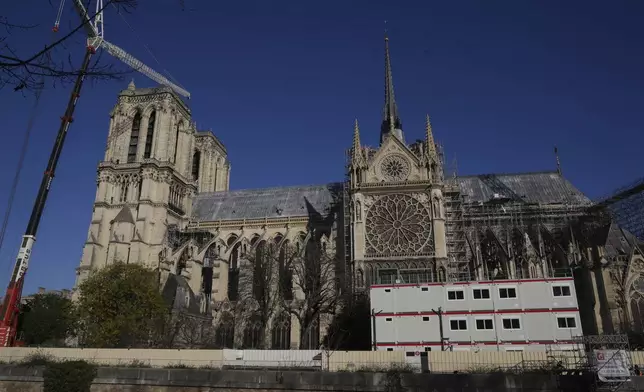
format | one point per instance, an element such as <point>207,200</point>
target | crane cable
<point>26,141</point>
<point>138,37</point>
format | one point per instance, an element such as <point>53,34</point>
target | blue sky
<point>280,83</point>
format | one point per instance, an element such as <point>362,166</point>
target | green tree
<point>47,320</point>
<point>121,306</point>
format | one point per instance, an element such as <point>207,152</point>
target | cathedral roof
<point>541,188</point>
<point>616,241</point>
<point>282,202</point>
<point>279,202</point>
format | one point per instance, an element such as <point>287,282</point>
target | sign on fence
<point>612,365</point>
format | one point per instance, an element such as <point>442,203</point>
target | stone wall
<point>29,379</point>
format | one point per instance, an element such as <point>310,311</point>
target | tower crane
<point>94,27</point>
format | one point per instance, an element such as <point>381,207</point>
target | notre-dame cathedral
<point>163,200</point>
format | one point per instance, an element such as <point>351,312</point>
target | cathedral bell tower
<point>154,162</point>
<point>396,193</point>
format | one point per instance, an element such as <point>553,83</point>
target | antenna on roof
<point>558,162</point>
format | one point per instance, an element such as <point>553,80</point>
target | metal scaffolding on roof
<point>626,207</point>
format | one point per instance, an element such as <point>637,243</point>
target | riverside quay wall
<point>15,378</point>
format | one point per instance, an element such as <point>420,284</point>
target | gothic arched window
<point>261,271</point>
<point>225,334</point>
<point>207,269</point>
<point>285,272</point>
<point>311,279</point>
<point>253,332</point>
<point>134,138</point>
<point>140,189</point>
<point>310,335</point>
<point>123,189</point>
<point>636,303</point>
<point>195,164</point>
<point>150,135</point>
<point>233,270</point>
<point>281,333</point>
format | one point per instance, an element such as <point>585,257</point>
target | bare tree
<point>24,71</point>
<point>184,330</point>
<point>259,293</point>
<point>194,331</point>
<point>314,282</point>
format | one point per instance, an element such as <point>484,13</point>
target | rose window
<point>395,168</point>
<point>398,224</point>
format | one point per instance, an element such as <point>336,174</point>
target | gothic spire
<point>429,140</point>
<point>356,148</point>
<point>356,137</point>
<point>390,120</point>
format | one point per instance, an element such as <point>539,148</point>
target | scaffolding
<point>347,224</point>
<point>458,262</point>
<point>608,357</point>
<point>506,227</point>
<point>626,207</point>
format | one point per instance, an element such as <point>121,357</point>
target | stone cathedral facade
<point>163,200</point>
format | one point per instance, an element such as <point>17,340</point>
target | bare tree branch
<point>316,292</point>
<point>184,330</point>
<point>259,289</point>
<point>194,331</point>
<point>26,72</point>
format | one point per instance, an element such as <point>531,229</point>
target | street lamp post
<point>439,313</point>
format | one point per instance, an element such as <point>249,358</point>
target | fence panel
<point>120,357</point>
<point>273,358</point>
<point>362,360</point>
<point>482,361</point>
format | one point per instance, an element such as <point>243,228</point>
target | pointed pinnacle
<point>390,99</point>
<point>429,138</point>
<point>356,150</point>
<point>356,136</point>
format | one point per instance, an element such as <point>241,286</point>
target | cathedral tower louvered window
<point>134,138</point>
<point>196,158</point>
<point>150,136</point>
<point>176,145</point>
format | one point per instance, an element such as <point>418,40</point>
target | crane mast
<point>13,295</point>
<point>95,39</point>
